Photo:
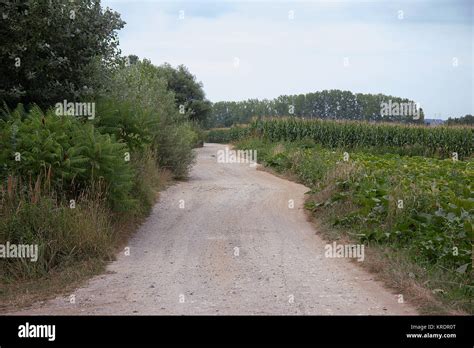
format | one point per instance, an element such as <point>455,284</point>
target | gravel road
<point>227,242</point>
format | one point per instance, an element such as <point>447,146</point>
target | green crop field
<point>408,139</point>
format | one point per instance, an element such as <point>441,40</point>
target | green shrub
<point>72,155</point>
<point>151,116</point>
<point>219,135</point>
<point>175,148</point>
<point>146,180</point>
<point>201,135</point>
<point>227,135</point>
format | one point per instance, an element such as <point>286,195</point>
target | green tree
<point>327,104</point>
<point>141,111</point>
<point>55,50</point>
<point>189,93</point>
<point>465,120</point>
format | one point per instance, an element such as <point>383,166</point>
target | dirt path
<point>235,248</point>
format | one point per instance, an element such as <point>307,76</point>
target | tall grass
<point>64,233</point>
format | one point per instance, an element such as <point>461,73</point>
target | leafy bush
<point>146,181</point>
<point>219,135</point>
<point>227,135</point>
<point>174,148</point>
<point>150,116</point>
<point>48,160</point>
<point>201,134</point>
<point>68,183</point>
<point>72,156</point>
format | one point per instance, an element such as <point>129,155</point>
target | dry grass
<point>277,149</point>
<point>22,294</point>
<point>64,280</point>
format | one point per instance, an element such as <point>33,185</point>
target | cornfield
<point>417,140</point>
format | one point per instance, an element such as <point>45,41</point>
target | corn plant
<point>443,142</point>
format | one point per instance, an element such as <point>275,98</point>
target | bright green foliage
<point>70,155</point>
<point>107,161</point>
<point>437,210</point>
<point>188,92</point>
<point>381,137</point>
<point>53,50</point>
<point>141,110</point>
<point>126,121</point>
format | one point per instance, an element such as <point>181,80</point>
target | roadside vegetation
<point>415,212</point>
<point>74,184</point>
<point>413,140</point>
<point>77,184</point>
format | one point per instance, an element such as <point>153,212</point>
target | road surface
<point>227,242</point>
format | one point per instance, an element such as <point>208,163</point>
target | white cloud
<point>282,56</point>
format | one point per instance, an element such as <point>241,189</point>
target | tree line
<point>326,104</point>
<point>465,120</point>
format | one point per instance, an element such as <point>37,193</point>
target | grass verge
<point>69,259</point>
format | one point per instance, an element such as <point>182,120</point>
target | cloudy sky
<point>418,49</point>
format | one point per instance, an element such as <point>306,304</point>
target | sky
<point>417,49</point>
